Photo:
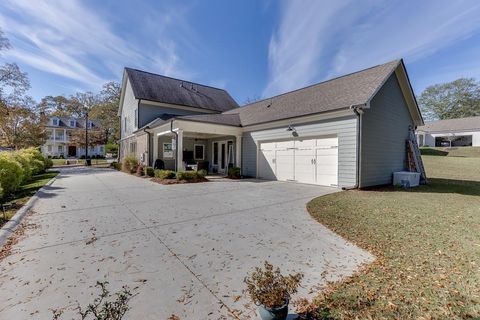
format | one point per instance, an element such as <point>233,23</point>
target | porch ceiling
<point>198,129</point>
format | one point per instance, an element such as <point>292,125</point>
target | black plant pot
<point>279,313</point>
<point>88,162</point>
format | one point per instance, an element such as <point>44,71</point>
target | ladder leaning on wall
<point>414,158</point>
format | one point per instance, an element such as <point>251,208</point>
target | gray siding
<point>148,113</point>
<point>344,128</point>
<point>384,131</point>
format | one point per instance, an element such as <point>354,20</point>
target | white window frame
<point>133,147</point>
<point>55,122</point>
<point>60,148</point>
<point>195,151</point>
<point>171,150</point>
<point>72,123</point>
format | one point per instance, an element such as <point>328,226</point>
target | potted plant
<point>271,291</point>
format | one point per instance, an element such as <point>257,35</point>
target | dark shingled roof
<point>154,87</point>
<point>342,92</point>
<point>460,124</point>
<point>226,119</point>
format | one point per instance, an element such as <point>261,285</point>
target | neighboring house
<point>59,131</point>
<point>461,132</point>
<point>348,132</point>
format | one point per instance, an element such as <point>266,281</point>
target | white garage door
<point>313,161</point>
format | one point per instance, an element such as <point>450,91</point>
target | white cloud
<point>317,39</point>
<point>68,39</point>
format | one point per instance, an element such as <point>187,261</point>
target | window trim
<point>171,150</point>
<point>195,151</point>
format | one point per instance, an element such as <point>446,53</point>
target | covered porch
<point>182,145</point>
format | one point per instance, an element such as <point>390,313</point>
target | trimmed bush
<point>11,174</point>
<point>130,164</point>
<point>187,175</point>
<point>234,173</point>
<point>116,165</point>
<point>140,170</point>
<point>164,174</point>
<point>149,171</point>
<point>202,173</point>
<point>48,163</point>
<point>26,162</point>
<point>37,160</point>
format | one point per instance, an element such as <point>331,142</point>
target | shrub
<point>36,159</point>
<point>11,174</point>
<point>130,164</point>
<point>234,173</point>
<point>202,173</point>
<point>116,165</point>
<point>164,174</point>
<point>149,171</point>
<point>187,175</point>
<point>48,163</point>
<point>140,170</point>
<point>269,287</point>
<point>81,157</point>
<point>26,162</point>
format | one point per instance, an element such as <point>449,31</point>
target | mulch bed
<point>175,181</point>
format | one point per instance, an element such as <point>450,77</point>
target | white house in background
<point>462,132</point>
<point>59,131</point>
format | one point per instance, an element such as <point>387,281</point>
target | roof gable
<point>158,88</point>
<point>355,89</point>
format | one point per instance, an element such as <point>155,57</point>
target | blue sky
<point>249,47</point>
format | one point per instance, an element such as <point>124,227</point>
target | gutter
<point>358,110</point>
<point>176,144</point>
<point>148,144</point>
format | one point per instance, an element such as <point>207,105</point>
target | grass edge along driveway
<point>427,241</point>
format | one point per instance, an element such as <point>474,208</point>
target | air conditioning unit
<point>406,179</point>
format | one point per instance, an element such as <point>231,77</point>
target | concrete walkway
<point>186,247</point>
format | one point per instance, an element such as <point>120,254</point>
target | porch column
<point>180,150</point>
<point>155,148</point>
<point>238,151</point>
<point>54,151</point>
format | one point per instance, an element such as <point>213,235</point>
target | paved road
<point>186,247</point>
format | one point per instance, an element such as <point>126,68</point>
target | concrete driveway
<point>186,247</point>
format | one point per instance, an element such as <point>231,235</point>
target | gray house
<point>347,132</point>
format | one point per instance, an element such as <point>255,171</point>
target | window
<point>136,118</point>
<point>60,148</point>
<point>133,147</point>
<point>420,140</point>
<point>215,153</point>
<point>125,124</point>
<point>101,149</point>
<point>72,123</point>
<point>199,152</point>
<point>55,121</point>
<point>49,148</point>
<point>167,150</point>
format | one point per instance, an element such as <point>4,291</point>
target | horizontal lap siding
<point>344,128</point>
<point>384,131</point>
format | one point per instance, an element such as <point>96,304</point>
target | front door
<point>72,151</point>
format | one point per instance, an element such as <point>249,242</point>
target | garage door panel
<point>305,165</point>
<point>284,164</point>
<point>327,142</point>
<point>307,161</point>
<point>266,164</point>
<point>285,144</point>
<point>305,144</point>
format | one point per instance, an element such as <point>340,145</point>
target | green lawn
<point>24,193</point>
<point>62,162</point>
<point>452,152</point>
<point>427,241</point>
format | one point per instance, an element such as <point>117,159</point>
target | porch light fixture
<point>292,130</point>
